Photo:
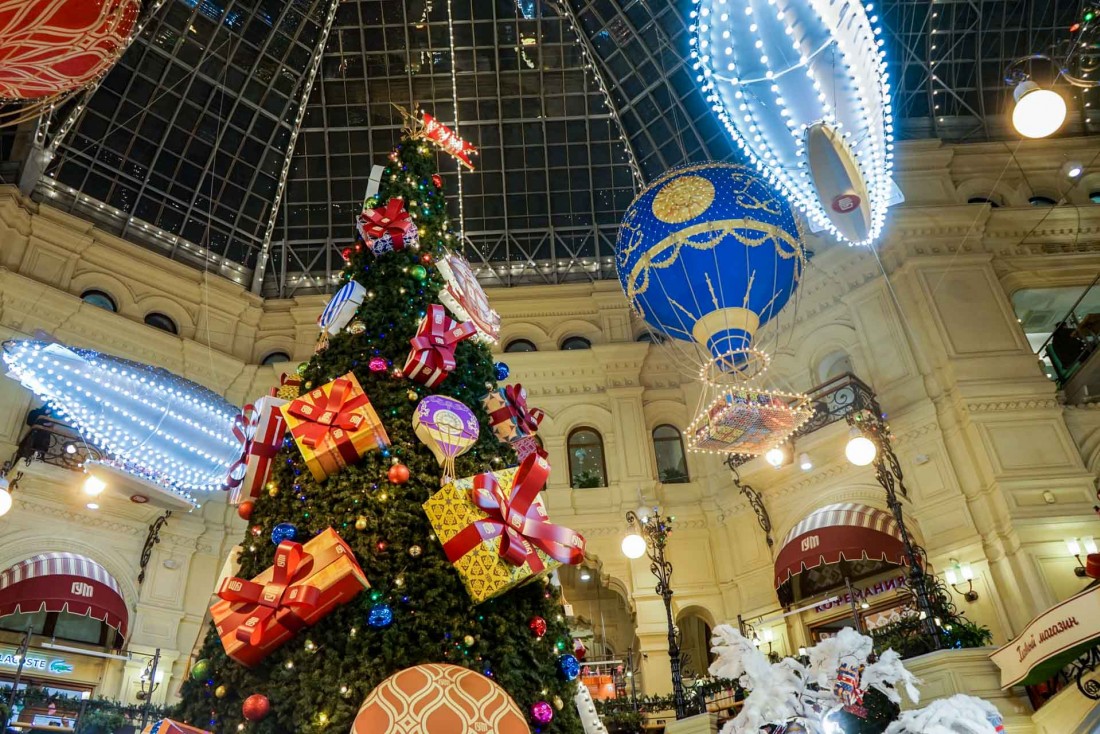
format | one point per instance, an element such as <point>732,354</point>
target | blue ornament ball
<point>284,531</point>
<point>380,616</point>
<point>569,666</point>
<point>709,253</point>
<point>502,371</point>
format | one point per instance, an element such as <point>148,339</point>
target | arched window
<point>521,345</point>
<point>982,200</point>
<point>650,337</point>
<point>275,358</point>
<point>575,342</point>
<point>1094,197</point>
<point>834,364</point>
<point>1041,201</point>
<point>586,463</point>
<point>100,299</point>
<point>668,446</point>
<point>162,322</point>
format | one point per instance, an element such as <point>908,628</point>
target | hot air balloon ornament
<point>707,255</point>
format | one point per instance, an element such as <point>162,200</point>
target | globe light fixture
<point>94,486</point>
<point>776,457</point>
<point>860,449</point>
<point>1038,112</point>
<point>1073,169</point>
<point>5,497</point>
<point>633,546</point>
<point>804,462</point>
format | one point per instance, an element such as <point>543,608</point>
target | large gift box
<point>432,356</point>
<point>306,582</point>
<point>388,228</point>
<point>334,426</point>
<point>261,428</point>
<point>495,530</point>
<point>509,414</point>
<point>168,726</point>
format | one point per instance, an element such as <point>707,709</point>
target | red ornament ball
<point>256,707</point>
<point>257,531</point>
<point>398,474</point>
<point>537,625</point>
<point>51,47</point>
<point>437,180</point>
<point>244,510</point>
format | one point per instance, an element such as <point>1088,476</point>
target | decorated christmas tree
<point>396,466</point>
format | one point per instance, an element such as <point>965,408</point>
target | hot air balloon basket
<point>747,421</point>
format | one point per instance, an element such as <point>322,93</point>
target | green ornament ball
<point>200,670</point>
<point>419,272</point>
<point>302,367</point>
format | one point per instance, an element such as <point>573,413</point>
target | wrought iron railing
<point>1075,338</point>
<point>55,446</point>
<point>834,400</point>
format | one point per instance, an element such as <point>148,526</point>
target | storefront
<point>75,613</point>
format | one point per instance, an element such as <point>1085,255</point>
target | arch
<point>668,450</point>
<point>576,327</point>
<point>697,610</point>
<point>520,345</point>
<point>277,356</point>
<point>267,345</point>
<point>584,447</point>
<point>864,492</point>
<point>574,343</point>
<point>161,321</point>
<point>100,298</point>
<point>98,281</point>
<point>834,364</point>
<point>172,309</point>
<point>997,192</point>
<point>695,624</point>
<point>526,330</point>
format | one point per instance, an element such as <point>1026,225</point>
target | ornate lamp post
<point>649,536</point>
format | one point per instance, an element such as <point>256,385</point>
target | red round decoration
<point>50,47</point>
<point>257,530</point>
<point>398,474</point>
<point>439,699</point>
<point>256,707</point>
<point>437,180</point>
<point>537,625</point>
<point>244,510</point>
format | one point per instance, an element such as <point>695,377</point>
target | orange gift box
<point>168,726</point>
<point>306,582</point>
<point>334,425</point>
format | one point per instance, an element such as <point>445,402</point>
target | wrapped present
<point>289,387</point>
<point>495,531</point>
<point>528,445</point>
<point>432,356</point>
<point>168,726</point>
<point>388,228</point>
<point>509,414</point>
<point>341,308</point>
<point>304,585</point>
<point>260,427</point>
<point>334,425</point>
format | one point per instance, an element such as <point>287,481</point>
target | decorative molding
<point>1004,405</point>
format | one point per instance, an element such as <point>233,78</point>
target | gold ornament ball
<point>414,551</point>
<point>220,692</point>
<point>558,703</point>
<point>360,523</point>
<point>468,640</point>
<point>356,327</point>
<point>272,490</point>
<point>412,396</point>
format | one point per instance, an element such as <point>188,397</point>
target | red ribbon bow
<point>390,219</point>
<point>244,428</point>
<point>440,334</point>
<point>325,413</point>
<point>527,419</point>
<point>519,522</point>
<point>277,602</point>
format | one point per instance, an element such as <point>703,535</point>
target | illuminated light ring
<point>791,77</point>
<point>148,421</point>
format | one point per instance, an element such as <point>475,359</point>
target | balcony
<point>1070,355</point>
<point>52,449</point>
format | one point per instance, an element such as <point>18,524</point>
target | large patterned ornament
<point>465,297</point>
<point>707,253</point>
<point>50,47</point>
<point>448,427</point>
<point>439,699</point>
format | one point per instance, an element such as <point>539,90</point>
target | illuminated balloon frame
<point>801,86</point>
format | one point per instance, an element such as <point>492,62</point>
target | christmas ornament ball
<point>415,551</point>
<point>301,369</point>
<point>468,640</point>
<point>356,327</point>
<point>256,707</point>
<point>419,272</point>
<point>412,395</point>
<point>284,531</point>
<point>200,670</point>
<point>569,667</point>
<point>220,692</point>
<point>542,713</point>
<point>244,510</point>
<point>272,489</point>
<point>437,180</point>
<point>558,703</point>
<point>256,530</point>
<point>537,625</point>
<point>361,523</point>
<point>398,473</point>
<point>380,616</point>
<point>502,371</point>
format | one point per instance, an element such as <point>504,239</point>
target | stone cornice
<point>1006,405</point>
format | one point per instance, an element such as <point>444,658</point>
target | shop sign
<point>1051,641</point>
<point>866,592</point>
<point>34,663</point>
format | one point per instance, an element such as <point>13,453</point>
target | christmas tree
<point>417,609</point>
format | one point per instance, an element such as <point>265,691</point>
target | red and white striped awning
<point>835,533</point>
<point>63,582</point>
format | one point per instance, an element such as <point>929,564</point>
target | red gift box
<point>387,228</point>
<point>432,356</point>
<point>306,582</point>
<point>168,726</point>
<point>261,428</point>
<point>509,414</point>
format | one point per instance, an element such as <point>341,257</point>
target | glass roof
<point>572,103</point>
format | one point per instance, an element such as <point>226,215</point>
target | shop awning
<point>63,582</point>
<point>836,533</point>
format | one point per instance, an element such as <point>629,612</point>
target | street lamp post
<point>649,536</point>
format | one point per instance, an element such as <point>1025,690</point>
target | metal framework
<point>185,145</point>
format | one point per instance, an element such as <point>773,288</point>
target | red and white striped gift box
<point>267,426</point>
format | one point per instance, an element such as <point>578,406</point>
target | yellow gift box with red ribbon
<point>305,583</point>
<point>334,425</point>
<point>495,530</point>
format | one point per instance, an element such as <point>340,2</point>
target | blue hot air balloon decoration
<point>709,253</point>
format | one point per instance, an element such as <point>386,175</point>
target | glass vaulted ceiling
<point>183,145</point>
